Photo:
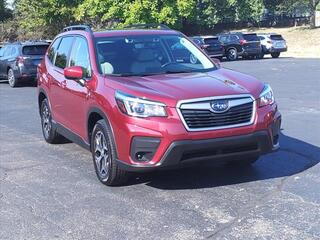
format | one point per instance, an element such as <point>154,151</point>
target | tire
<point>275,55</point>
<point>12,79</point>
<point>232,54</point>
<point>104,155</point>
<point>49,132</point>
<point>244,162</point>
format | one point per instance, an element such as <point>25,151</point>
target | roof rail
<point>148,26</point>
<point>78,27</point>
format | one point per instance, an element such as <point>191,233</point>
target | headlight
<point>266,97</point>
<point>139,107</point>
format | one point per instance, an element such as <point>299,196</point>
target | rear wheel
<point>104,156</point>
<point>12,79</point>
<point>49,132</point>
<point>232,54</point>
<point>275,55</point>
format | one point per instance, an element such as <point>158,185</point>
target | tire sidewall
<point>228,54</point>
<point>12,83</point>
<point>105,129</point>
<point>50,136</point>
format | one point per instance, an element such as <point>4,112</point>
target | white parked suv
<point>272,44</point>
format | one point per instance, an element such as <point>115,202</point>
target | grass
<point>302,42</point>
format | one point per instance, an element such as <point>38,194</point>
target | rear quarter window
<point>34,50</point>
<point>53,50</point>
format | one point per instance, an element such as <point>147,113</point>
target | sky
<point>10,2</point>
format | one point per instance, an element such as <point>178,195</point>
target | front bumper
<point>226,149</point>
<point>151,145</point>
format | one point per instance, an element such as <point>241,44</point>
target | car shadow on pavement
<point>293,157</point>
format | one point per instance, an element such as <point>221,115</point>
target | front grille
<point>204,118</point>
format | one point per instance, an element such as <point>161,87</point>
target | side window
<point>63,52</point>
<point>53,50</point>
<point>80,56</point>
<point>14,51</point>
<point>223,39</point>
<point>7,51</point>
<point>2,51</point>
<point>234,38</point>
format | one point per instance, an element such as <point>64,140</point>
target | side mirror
<point>75,73</point>
<point>216,62</point>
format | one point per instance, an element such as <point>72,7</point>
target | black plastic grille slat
<point>206,119</point>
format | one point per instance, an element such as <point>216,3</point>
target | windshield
<point>149,55</point>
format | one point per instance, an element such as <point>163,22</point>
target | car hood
<point>171,88</point>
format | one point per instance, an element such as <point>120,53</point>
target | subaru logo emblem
<point>219,106</point>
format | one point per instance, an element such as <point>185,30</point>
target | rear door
<point>251,41</point>
<point>2,68</point>
<point>57,79</point>
<point>7,60</point>
<point>214,45</point>
<point>33,55</point>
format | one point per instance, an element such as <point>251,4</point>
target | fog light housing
<point>143,148</point>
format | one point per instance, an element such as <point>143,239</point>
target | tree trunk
<point>313,18</point>
<point>313,7</point>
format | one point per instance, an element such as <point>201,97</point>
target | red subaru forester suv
<point>150,99</point>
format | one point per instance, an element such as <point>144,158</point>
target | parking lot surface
<point>51,191</point>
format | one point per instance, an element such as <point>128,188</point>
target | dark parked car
<point>19,60</point>
<point>210,44</point>
<point>273,44</point>
<point>238,44</point>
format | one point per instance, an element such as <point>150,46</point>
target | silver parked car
<point>273,44</point>
<point>19,61</point>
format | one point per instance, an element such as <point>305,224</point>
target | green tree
<point>44,18</point>
<point>291,6</point>
<point>123,12</point>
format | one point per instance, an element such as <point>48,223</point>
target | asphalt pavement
<point>51,191</point>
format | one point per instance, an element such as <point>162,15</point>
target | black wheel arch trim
<point>98,110</point>
<point>42,91</point>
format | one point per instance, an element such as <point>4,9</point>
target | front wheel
<point>232,54</point>
<point>12,79</point>
<point>275,55</point>
<point>104,156</point>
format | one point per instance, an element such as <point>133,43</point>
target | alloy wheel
<point>232,54</point>
<point>101,154</point>
<point>11,78</point>
<point>46,121</point>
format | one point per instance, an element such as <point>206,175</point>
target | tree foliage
<point>45,18</point>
